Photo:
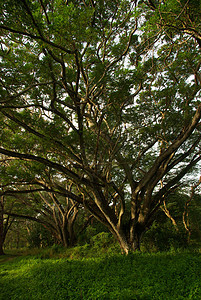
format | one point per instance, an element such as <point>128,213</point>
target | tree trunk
<point>72,237</point>
<point>65,236</point>
<point>136,242</point>
<point>1,247</point>
<point>2,234</point>
<point>136,233</point>
<point>120,236</point>
<point>2,239</point>
<point>68,235</point>
<point>123,244</point>
<point>127,244</point>
<point>18,240</point>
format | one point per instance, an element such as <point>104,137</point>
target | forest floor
<point>135,276</point>
<point>6,258</point>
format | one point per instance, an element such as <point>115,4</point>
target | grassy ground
<point>136,276</point>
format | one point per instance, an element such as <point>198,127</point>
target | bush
<point>40,237</point>
<point>102,240</point>
<point>99,245</point>
<point>163,237</point>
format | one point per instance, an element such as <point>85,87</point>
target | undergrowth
<point>135,276</point>
<point>98,271</point>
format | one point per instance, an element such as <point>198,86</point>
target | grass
<point>136,276</point>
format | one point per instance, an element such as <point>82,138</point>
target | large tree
<point>104,96</point>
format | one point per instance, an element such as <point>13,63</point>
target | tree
<point>56,214</point>
<point>5,221</point>
<point>196,211</point>
<point>101,96</point>
<point>17,235</point>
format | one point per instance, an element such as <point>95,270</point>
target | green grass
<point>136,276</point>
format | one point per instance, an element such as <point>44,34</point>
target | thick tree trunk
<point>120,237</point>
<point>68,235</point>
<point>123,244</point>
<point>72,237</point>
<point>136,241</point>
<point>136,232</point>
<point>65,236</point>
<point>129,245</point>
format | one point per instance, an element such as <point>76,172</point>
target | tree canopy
<point>100,103</point>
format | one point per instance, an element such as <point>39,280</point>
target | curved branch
<point>163,191</point>
<point>40,135</point>
<point>45,162</point>
<point>166,155</point>
<point>36,37</point>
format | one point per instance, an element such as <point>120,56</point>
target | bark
<point>2,232</point>
<point>71,222</point>
<point>168,214</point>
<point>1,247</point>
<point>185,216</point>
<point>72,237</point>
<point>128,244</point>
<point>121,238</point>
<point>137,240</point>
<point>64,228</point>
<point>2,238</point>
<point>65,236</point>
<point>136,232</point>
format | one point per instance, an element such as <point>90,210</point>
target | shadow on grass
<point>136,276</point>
<point>7,257</point>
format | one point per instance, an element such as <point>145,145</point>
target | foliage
<point>99,245</point>
<point>164,237</point>
<point>169,232</point>
<point>39,237</point>
<point>136,276</point>
<point>17,236</point>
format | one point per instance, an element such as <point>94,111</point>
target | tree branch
<point>36,37</point>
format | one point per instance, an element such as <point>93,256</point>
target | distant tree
<point>191,216</point>
<point>17,235</point>
<point>56,214</point>
<point>38,236</point>
<point>104,96</point>
<point>36,201</point>
<point>5,221</point>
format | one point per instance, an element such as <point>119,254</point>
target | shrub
<point>102,240</point>
<point>163,237</point>
<point>40,237</point>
